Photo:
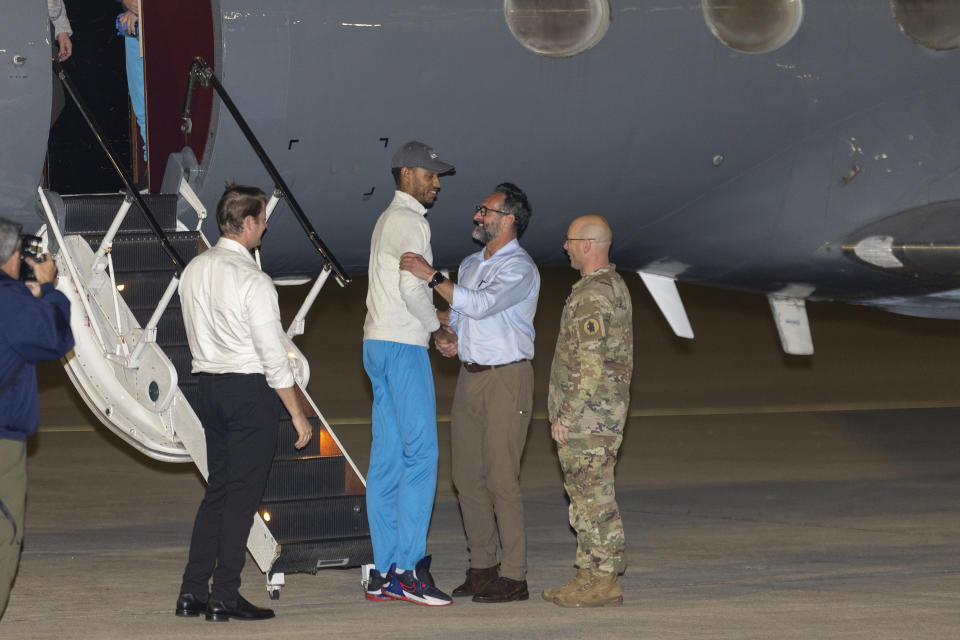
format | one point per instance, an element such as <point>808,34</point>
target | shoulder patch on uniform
<point>591,327</point>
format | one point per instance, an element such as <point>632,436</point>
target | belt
<point>473,367</point>
<point>229,373</point>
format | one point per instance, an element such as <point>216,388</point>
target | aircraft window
<point>557,28</point>
<point>933,23</point>
<point>753,26</point>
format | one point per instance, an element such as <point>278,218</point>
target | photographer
<point>34,326</point>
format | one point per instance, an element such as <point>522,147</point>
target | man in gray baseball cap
<point>416,171</point>
<point>416,154</point>
<point>401,318</point>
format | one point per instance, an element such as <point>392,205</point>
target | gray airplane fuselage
<point>749,171</point>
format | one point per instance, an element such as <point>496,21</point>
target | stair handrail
<point>67,259</point>
<point>201,72</point>
<point>187,193</point>
<point>125,177</point>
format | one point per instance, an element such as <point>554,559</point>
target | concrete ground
<point>763,496</point>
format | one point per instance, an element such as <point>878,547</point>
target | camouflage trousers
<point>587,462</point>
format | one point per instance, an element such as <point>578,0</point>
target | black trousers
<point>240,414</point>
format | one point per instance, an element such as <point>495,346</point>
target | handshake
<point>445,338</point>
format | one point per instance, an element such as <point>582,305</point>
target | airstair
<point>120,258</point>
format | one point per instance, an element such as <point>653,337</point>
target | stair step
<point>305,478</point>
<point>142,291</point>
<point>316,519</point>
<point>170,329</point>
<point>321,444</point>
<point>95,213</point>
<point>138,253</point>
<point>307,557</point>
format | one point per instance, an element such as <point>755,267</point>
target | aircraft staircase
<point>120,257</point>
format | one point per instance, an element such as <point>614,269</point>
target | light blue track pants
<point>135,86</point>
<point>402,477</point>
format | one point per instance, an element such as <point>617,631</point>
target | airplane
<point>806,150</point>
<point>801,149</point>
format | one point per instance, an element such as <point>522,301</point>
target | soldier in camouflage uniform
<point>588,401</point>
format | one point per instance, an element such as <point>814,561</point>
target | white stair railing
<point>67,259</point>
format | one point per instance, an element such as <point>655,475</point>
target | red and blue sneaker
<point>420,590</point>
<point>374,583</point>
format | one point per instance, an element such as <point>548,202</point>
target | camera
<point>30,247</point>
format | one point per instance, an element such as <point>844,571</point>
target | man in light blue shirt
<point>491,321</point>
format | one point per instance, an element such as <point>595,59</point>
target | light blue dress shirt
<point>493,306</point>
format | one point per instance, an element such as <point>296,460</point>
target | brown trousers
<point>13,493</point>
<point>489,421</point>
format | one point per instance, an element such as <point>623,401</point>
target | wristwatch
<point>437,279</point>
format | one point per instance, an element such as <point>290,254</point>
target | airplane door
<point>176,32</point>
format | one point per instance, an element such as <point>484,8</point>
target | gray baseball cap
<point>417,154</point>
<point>9,238</point>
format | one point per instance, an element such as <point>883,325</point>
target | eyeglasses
<point>483,211</point>
<point>572,239</point>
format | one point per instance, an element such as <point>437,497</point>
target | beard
<point>482,234</point>
<point>425,200</point>
<point>423,193</point>
<point>427,204</point>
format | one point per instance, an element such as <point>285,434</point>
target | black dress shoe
<point>503,590</point>
<point>476,580</point>
<point>189,606</point>
<point>220,611</point>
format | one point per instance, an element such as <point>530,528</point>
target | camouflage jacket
<point>593,361</point>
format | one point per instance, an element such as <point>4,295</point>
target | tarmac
<point>763,495</point>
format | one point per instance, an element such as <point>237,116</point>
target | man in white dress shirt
<point>233,326</point>
<point>492,308</point>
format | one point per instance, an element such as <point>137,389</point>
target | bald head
<point>594,227</point>
<point>588,243</point>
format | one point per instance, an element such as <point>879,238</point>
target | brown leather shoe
<point>476,579</point>
<point>503,590</point>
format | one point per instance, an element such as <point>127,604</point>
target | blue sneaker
<point>407,586</point>
<point>374,585</point>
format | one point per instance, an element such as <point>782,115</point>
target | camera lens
<point>30,247</point>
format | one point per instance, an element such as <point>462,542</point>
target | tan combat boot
<point>582,578</point>
<point>601,590</point>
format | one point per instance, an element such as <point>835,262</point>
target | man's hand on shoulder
<point>415,264</point>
